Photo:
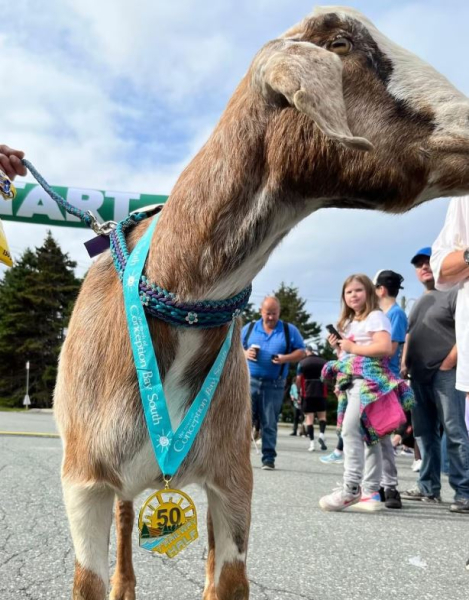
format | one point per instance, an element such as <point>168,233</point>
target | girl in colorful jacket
<point>363,379</point>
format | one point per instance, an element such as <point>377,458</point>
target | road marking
<point>30,434</point>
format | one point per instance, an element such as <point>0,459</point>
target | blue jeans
<point>438,403</point>
<point>444,455</point>
<point>267,398</point>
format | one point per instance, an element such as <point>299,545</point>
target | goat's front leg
<point>123,580</point>
<point>228,532</point>
<point>89,510</point>
<point>209,590</point>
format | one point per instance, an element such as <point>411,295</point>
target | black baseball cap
<point>390,279</point>
<point>427,252</point>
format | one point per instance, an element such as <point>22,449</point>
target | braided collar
<point>165,305</point>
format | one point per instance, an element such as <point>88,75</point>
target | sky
<point>100,95</point>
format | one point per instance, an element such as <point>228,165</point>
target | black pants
<point>298,417</point>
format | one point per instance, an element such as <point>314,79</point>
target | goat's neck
<point>225,215</point>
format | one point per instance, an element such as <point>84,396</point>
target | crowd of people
<point>400,382</point>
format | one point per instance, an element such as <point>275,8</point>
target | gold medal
<point>167,522</point>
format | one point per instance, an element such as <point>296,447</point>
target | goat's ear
<point>310,79</point>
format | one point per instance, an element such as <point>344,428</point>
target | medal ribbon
<point>170,447</point>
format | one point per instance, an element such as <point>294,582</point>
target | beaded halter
<point>164,305</point>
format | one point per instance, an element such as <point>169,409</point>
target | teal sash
<point>170,447</point>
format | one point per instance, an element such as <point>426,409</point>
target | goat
<point>331,114</point>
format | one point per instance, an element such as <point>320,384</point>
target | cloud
<point>176,50</point>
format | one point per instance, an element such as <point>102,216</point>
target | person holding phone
<point>365,333</point>
<point>269,346</point>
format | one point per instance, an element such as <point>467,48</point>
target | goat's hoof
<point>123,591</point>
<point>241,593</point>
<point>210,593</point>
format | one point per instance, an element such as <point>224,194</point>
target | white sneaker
<point>368,503</point>
<point>340,499</point>
<point>416,465</point>
<point>312,447</point>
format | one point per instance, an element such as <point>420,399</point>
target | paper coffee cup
<point>256,349</point>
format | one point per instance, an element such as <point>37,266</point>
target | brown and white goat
<point>331,114</point>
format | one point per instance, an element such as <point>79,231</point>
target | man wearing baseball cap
<point>430,358</point>
<point>388,283</point>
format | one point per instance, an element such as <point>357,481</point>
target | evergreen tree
<point>36,298</point>
<point>250,314</point>
<point>292,310</point>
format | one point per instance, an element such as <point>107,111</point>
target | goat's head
<point>335,73</point>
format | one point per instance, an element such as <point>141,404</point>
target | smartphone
<point>333,331</point>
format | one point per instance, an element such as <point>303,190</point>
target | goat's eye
<point>340,46</point>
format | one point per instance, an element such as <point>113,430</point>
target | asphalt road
<point>28,421</point>
<point>296,551</point>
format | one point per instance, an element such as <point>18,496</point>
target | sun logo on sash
<point>131,280</point>
<point>164,441</point>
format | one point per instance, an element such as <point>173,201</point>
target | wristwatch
<point>466,256</point>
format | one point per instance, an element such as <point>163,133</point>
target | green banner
<point>33,205</point>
